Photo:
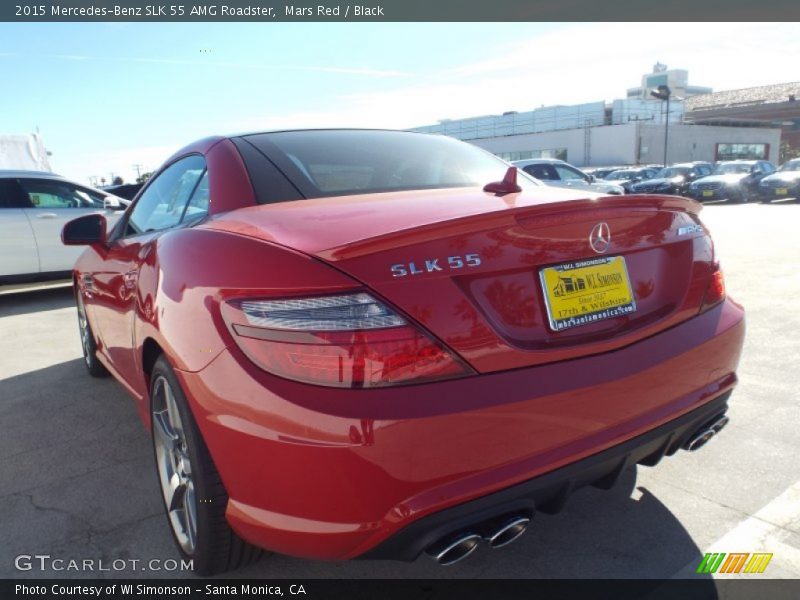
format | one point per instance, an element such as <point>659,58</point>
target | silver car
<point>34,206</point>
<point>562,174</point>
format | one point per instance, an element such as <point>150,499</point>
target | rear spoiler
<point>597,207</point>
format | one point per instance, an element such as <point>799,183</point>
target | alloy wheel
<point>174,466</point>
<point>85,332</point>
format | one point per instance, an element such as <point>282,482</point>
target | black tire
<point>88,342</point>
<point>216,548</point>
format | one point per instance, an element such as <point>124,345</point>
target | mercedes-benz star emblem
<point>600,238</point>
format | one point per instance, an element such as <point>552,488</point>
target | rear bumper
<point>335,474</point>
<point>549,493</point>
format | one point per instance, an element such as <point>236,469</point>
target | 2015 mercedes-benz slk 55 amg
<point>381,344</point>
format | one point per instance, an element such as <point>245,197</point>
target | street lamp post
<point>663,92</point>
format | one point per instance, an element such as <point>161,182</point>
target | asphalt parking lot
<point>77,480</point>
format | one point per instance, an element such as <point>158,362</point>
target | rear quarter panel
<point>192,271</point>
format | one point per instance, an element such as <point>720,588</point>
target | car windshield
<point>726,168</point>
<point>792,165</point>
<point>323,163</point>
<point>670,172</point>
<point>622,174</point>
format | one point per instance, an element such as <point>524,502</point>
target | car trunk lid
<point>471,267</point>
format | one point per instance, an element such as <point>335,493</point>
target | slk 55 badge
<point>436,264</point>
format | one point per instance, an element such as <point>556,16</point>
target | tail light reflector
<point>715,292</point>
<point>349,340</point>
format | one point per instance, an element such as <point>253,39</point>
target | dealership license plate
<point>781,191</point>
<point>586,291</point>
<point>708,193</point>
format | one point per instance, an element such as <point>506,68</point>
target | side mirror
<point>113,203</point>
<point>84,231</point>
<point>590,179</point>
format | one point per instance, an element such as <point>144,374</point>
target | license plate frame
<point>598,296</point>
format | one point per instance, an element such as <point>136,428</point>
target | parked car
<point>627,177</point>
<point>561,174</point>
<point>707,166</point>
<point>127,191</point>
<point>785,183</point>
<point>381,344</point>
<point>735,180</point>
<point>601,172</point>
<point>34,206</point>
<point>674,180</point>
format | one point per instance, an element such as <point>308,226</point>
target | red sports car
<point>377,344</point>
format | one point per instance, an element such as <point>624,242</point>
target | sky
<point>107,96</point>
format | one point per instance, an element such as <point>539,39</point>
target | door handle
<point>46,216</point>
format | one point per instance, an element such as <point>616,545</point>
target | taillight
<point>348,340</point>
<point>715,292</point>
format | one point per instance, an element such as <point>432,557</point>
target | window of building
<point>742,151</point>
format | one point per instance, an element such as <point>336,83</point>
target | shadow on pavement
<point>25,302</point>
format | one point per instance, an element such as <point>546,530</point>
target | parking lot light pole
<point>663,92</point>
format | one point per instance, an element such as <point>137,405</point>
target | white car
<point>558,173</point>
<point>34,206</point>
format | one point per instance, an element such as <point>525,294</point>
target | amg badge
<point>436,264</point>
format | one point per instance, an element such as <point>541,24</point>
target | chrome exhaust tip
<point>718,425</point>
<point>703,435</point>
<point>454,549</point>
<point>509,532</point>
<point>699,440</point>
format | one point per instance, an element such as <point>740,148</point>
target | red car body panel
<point>377,463</point>
<point>355,466</point>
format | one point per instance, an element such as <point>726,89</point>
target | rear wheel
<point>194,496</point>
<point>88,343</point>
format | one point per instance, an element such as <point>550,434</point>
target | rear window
<point>342,162</point>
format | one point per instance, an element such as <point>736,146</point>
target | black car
<point>784,183</point>
<point>734,180</point>
<point>124,190</point>
<point>674,179</point>
<point>627,177</point>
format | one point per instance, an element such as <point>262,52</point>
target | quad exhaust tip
<point>496,533</point>
<point>703,435</point>
<point>454,549</point>
<point>508,533</point>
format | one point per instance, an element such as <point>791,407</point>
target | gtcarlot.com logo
<point>46,562</point>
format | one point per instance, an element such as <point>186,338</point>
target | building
<point>636,143</point>
<point>676,79</point>
<point>775,105</point>
<point>555,118</point>
<point>707,126</point>
<point>23,152</point>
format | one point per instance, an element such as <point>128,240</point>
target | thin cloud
<point>361,71</point>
